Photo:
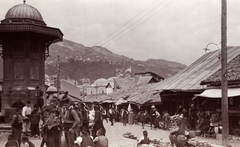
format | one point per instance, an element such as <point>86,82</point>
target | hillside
<point>80,62</point>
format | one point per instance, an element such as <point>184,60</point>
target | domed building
<point>24,13</point>
<point>25,40</point>
<point>51,89</point>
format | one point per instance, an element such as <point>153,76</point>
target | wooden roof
<point>189,79</point>
<point>233,74</point>
<point>143,94</point>
<point>144,80</point>
<point>72,89</point>
<point>149,72</point>
<point>96,98</point>
<point>129,92</point>
<point>145,97</point>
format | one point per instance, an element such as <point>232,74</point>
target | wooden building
<point>25,40</point>
<point>214,92</point>
<point>182,87</point>
<point>148,77</point>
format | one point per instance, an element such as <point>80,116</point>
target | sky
<point>173,30</point>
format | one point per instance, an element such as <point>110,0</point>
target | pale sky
<point>174,30</point>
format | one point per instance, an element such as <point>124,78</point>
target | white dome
<point>100,81</point>
<point>111,79</point>
<point>52,89</point>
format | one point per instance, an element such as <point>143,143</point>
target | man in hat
<point>152,115</point>
<point>70,122</point>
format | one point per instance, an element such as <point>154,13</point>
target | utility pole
<point>58,76</point>
<point>224,82</point>
<point>96,91</point>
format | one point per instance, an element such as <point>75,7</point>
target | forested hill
<point>79,62</point>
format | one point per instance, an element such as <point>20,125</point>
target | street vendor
<point>177,137</point>
<point>191,138</point>
<point>144,140</point>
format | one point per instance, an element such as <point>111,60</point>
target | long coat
<point>98,124</point>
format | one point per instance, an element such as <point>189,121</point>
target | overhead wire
<point>133,23</point>
<point>89,52</point>
<point>130,26</point>
<point>138,24</point>
<point>126,22</point>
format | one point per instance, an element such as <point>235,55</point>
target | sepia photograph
<point>120,73</point>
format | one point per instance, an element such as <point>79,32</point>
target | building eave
<point>54,33</point>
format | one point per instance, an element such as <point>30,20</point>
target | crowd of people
<point>81,125</point>
<point>185,123</point>
<point>59,123</point>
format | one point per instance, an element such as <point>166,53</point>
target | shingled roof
<point>189,79</point>
<point>133,93</point>
<point>96,98</point>
<point>144,94</point>
<point>125,85</point>
<point>144,80</point>
<point>233,74</point>
<point>147,96</point>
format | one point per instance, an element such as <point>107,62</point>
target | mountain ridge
<point>80,56</point>
<point>81,62</point>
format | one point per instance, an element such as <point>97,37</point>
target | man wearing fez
<point>70,122</point>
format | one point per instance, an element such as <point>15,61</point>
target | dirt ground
<point>116,139</point>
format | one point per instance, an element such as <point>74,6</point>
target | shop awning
<point>217,93</point>
<point>121,101</point>
<point>107,101</point>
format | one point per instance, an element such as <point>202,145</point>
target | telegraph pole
<point>96,90</point>
<point>58,76</point>
<point>224,82</point>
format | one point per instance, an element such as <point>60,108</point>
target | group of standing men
<point>70,118</point>
<point>60,119</point>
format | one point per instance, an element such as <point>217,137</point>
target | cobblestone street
<point>116,139</point>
